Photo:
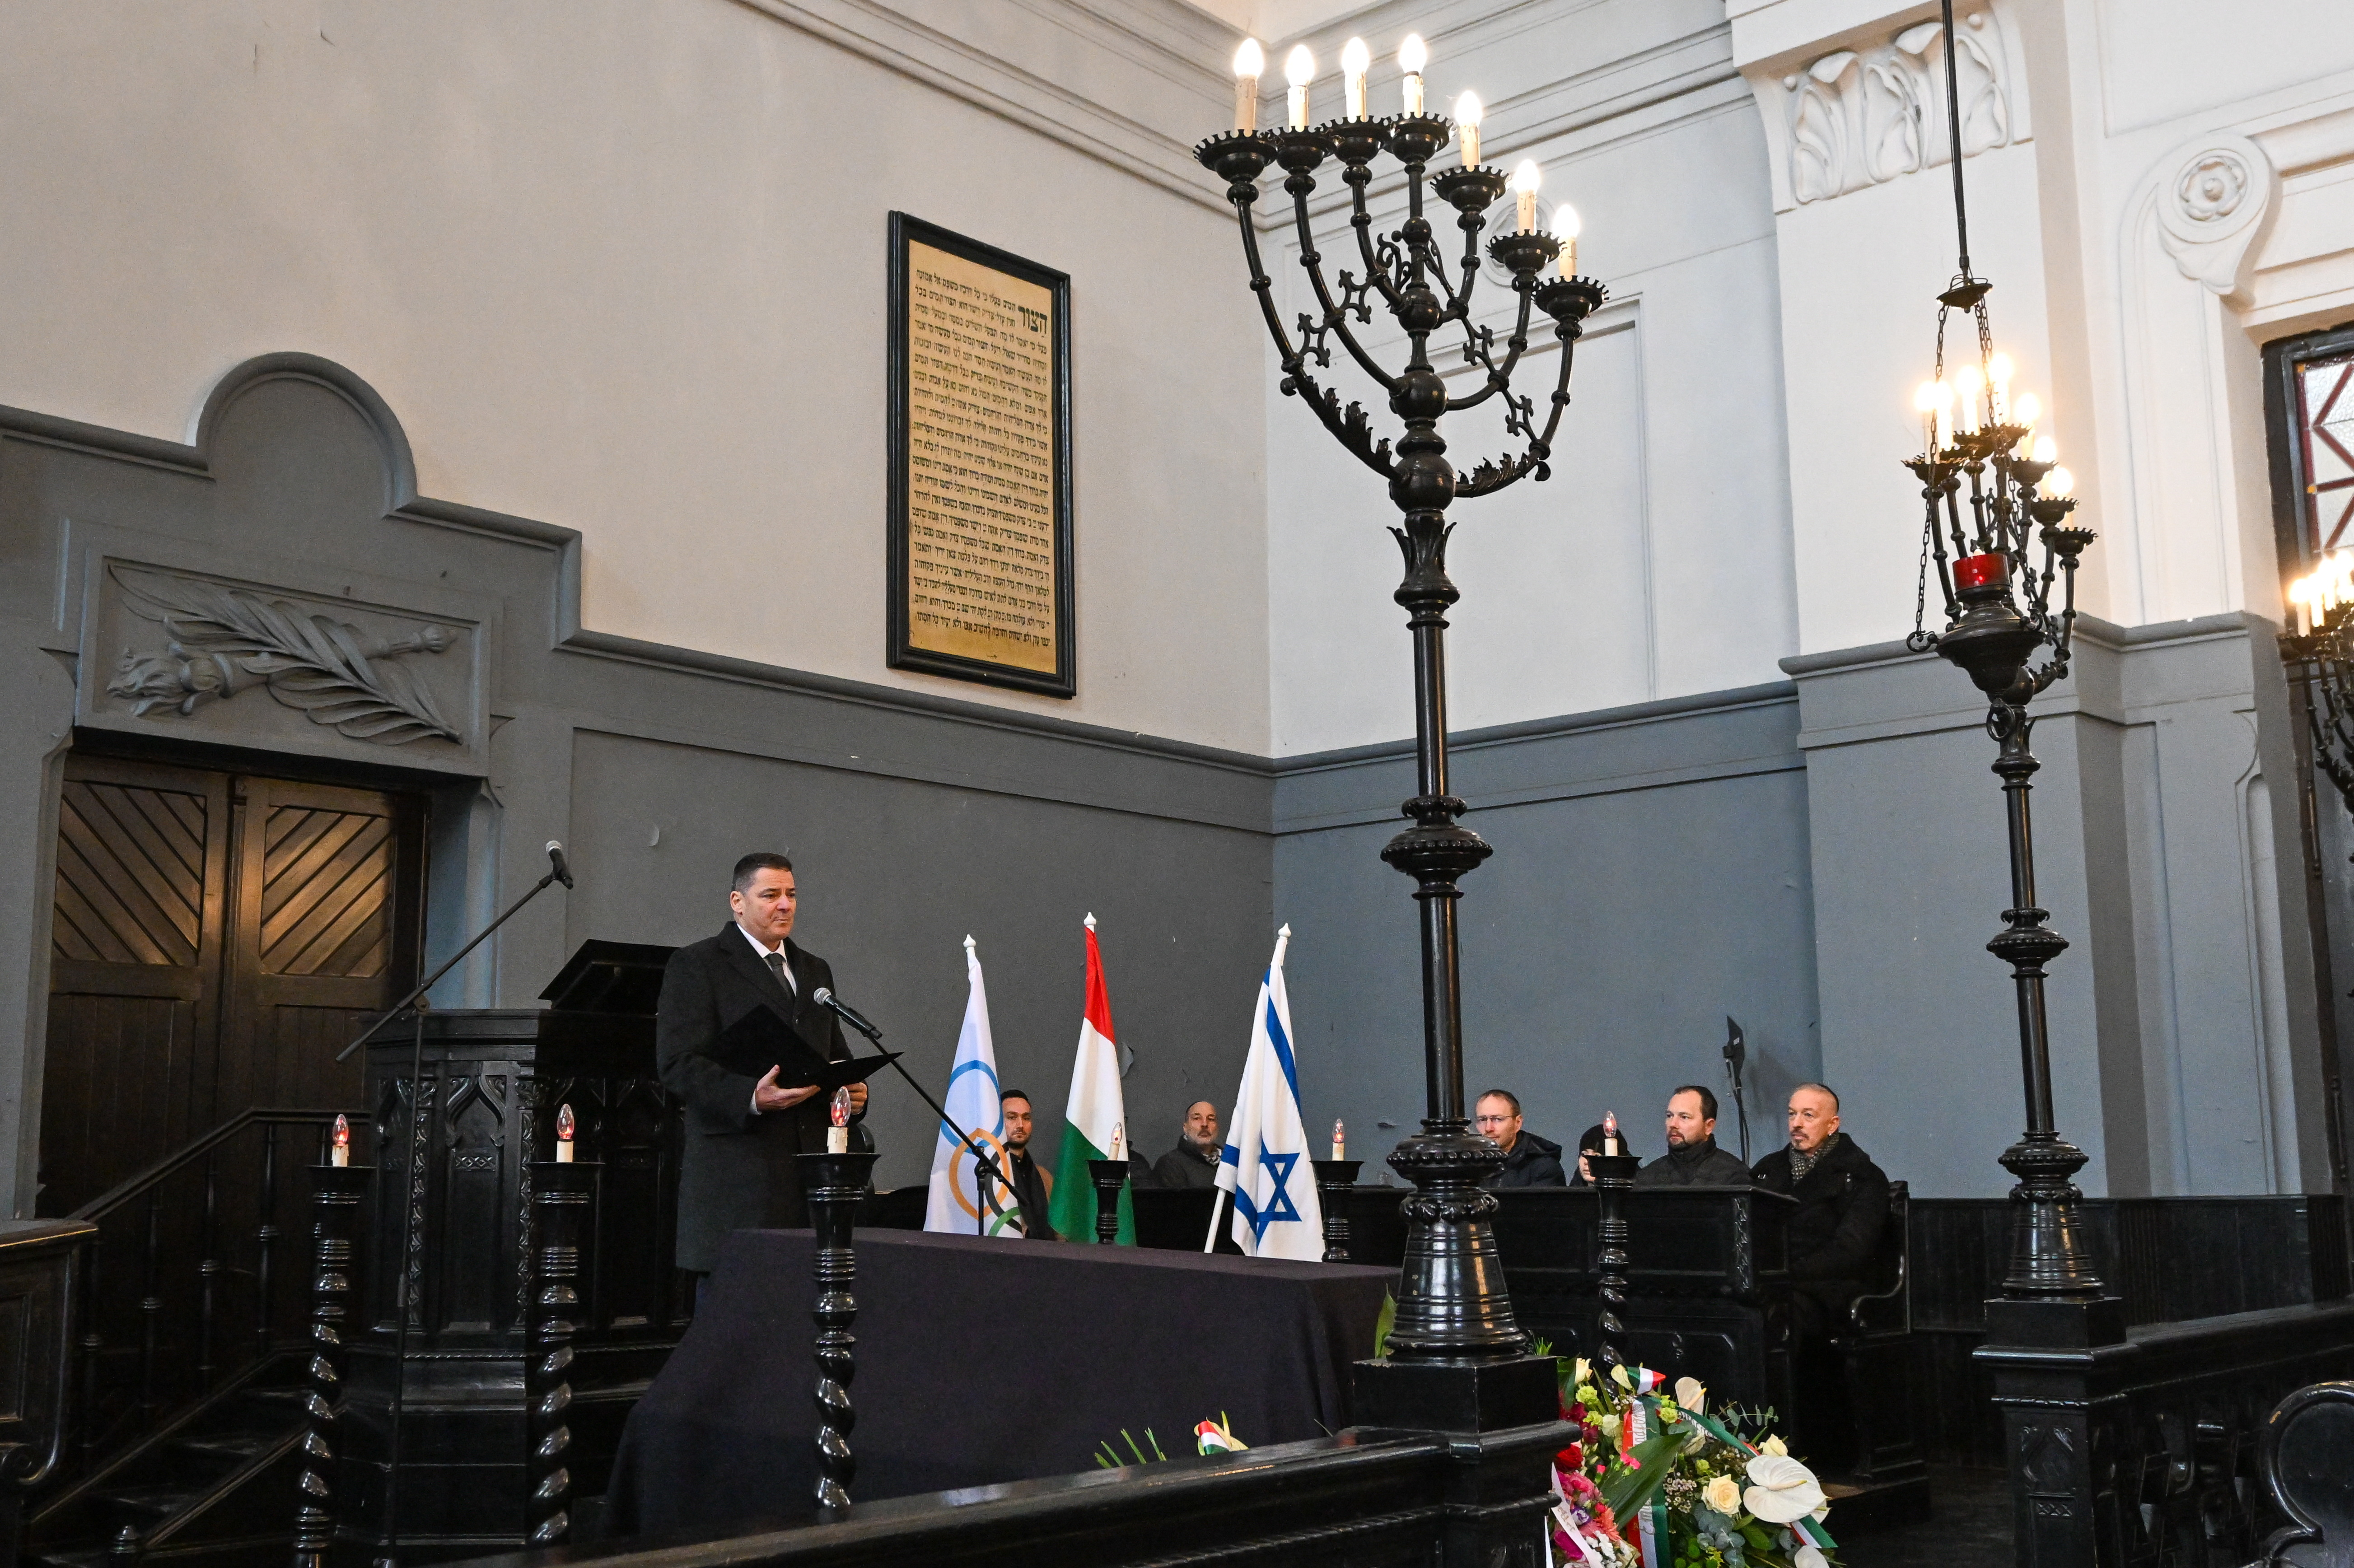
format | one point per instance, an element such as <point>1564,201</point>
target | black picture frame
<point>900,654</point>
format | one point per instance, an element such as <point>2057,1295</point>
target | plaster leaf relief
<point>2214,200</point>
<point>221,641</point>
<point>1861,117</point>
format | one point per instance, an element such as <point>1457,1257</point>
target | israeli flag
<point>1265,1165</point>
<point>964,1200</point>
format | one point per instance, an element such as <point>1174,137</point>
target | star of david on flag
<point>1265,1163</point>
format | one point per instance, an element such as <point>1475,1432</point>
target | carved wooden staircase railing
<point>190,1364</point>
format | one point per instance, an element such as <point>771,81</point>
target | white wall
<point>1656,561</point>
<point>622,267</point>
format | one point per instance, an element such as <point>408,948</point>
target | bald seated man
<point>1842,1203</point>
<point>1194,1161</point>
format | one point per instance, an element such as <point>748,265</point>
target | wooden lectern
<point>456,1142</point>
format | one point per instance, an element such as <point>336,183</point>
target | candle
<point>1526,177</point>
<point>1249,62</point>
<point>837,1137</point>
<point>1967,387</point>
<point>1339,1141</point>
<point>2058,484</point>
<point>1466,119</point>
<point>1997,386</point>
<point>1565,226</point>
<point>1924,400</point>
<point>339,1152</point>
<point>1610,1132</point>
<point>1944,431</point>
<point>2024,414</point>
<point>2046,449</point>
<point>1355,58</point>
<point>565,1127</point>
<point>1300,71</point>
<point>1413,54</point>
<point>1119,1132</point>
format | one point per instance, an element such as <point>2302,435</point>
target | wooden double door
<point>217,938</point>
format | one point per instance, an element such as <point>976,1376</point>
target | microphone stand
<point>1736,1051</point>
<point>388,1558</point>
<point>981,1159</point>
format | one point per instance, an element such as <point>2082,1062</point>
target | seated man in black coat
<point>1839,1226</point>
<point>1693,1159</point>
<point>1529,1161</point>
<point>1842,1208</point>
<point>1194,1161</point>
<point>739,1170</point>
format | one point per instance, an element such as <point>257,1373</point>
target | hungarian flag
<point>1095,1124</point>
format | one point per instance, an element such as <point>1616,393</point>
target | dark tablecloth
<point>978,1362</point>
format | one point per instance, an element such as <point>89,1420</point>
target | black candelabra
<point>835,1183</point>
<point>1451,1302</point>
<point>1990,492</point>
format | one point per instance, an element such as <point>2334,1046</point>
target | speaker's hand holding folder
<point>761,1044</point>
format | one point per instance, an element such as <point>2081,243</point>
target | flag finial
<point>968,942</point>
<point>1286,932</point>
<point>1091,922</point>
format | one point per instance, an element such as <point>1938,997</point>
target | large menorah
<point>1451,1303</point>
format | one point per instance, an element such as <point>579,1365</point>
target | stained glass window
<point>2326,431</point>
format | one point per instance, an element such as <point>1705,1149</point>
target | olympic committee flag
<point>1095,1123</point>
<point>1266,1164</point>
<point>964,1200</point>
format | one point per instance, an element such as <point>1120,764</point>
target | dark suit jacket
<point>1842,1218</point>
<point>739,1171</point>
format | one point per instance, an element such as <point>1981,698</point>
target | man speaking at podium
<point>742,1132</point>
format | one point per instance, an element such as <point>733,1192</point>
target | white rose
<point>1809,1556</point>
<point>1583,1372</point>
<point>1781,1490</point>
<point>1610,1425</point>
<point>1724,1495</point>
<point>1691,1395</point>
<point>1773,1446</point>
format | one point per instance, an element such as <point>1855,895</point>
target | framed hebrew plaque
<point>980,462</point>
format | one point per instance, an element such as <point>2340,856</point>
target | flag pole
<point>1217,1202</point>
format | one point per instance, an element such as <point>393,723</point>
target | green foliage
<point>1630,1487</point>
<point>1107,1457</point>
<point>1384,1324</point>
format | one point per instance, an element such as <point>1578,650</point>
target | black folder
<point>761,1039</point>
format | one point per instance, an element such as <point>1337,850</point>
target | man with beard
<point>1693,1159</point>
<point>1194,1161</point>
<point>1033,1185</point>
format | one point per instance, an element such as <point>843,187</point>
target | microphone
<point>556,860</point>
<point>825,997</point>
<point>1736,1049</point>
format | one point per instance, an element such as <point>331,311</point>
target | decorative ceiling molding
<point>1161,60</point>
<point>2213,198</point>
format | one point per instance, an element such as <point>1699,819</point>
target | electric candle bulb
<point>339,1152</point>
<point>837,1136</point>
<point>1525,180</point>
<point>1998,383</point>
<point>1466,119</point>
<point>1944,431</point>
<point>1250,61</point>
<point>1610,1132</point>
<point>1300,71</point>
<point>1968,385</point>
<point>565,1129</point>
<point>1339,1141</point>
<point>1924,403</point>
<point>2059,484</point>
<point>1413,54</point>
<point>2045,449</point>
<point>1354,60</point>
<point>2027,411</point>
<point>1565,226</point>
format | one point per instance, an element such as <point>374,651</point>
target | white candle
<point>1300,71</point>
<point>1249,62</point>
<point>565,1129</point>
<point>1467,121</point>
<point>1340,1141</point>
<point>1355,59</point>
<point>339,1152</point>
<point>837,1140</point>
<point>1565,227</point>
<point>1525,180</point>
<point>1412,57</point>
<point>1610,1132</point>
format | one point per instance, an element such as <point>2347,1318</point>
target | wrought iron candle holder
<point>1451,1302</point>
<point>1334,1178</point>
<point>2001,612</point>
<point>1613,1178</point>
<point>835,1184</point>
<point>1108,1177</point>
<point>337,1192</point>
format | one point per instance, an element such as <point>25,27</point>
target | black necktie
<point>776,962</point>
